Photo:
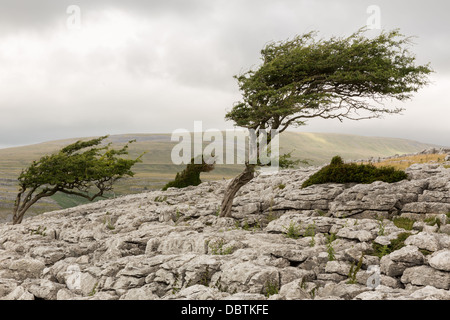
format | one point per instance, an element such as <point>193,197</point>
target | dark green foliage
<point>189,176</point>
<point>336,161</point>
<point>88,174</point>
<point>396,244</point>
<point>339,172</point>
<point>305,78</point>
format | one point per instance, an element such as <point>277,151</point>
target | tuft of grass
<point>354,271</point>
<point>93,291</point>
<point>433,221</point>
<point>270,288</point>
<point>396,244</point>
<point>381,226</point>
<point>293,231</point>
<point>160,198</point>
<point>330,249</point>
<point>404,223</point>
<point>217,248</point>
<point>40,231</point>
<point>311,232</point>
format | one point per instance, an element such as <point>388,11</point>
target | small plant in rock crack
<point>205,278</point>
<point>109,224</point>
<point>175,287</point>
<point>311,232</point>
<point>433,221</point>
<point>293,231</point>
<point>40,231</point>
<point>381,226</point>
<point>270,288</point>
<point>353,271</point>
<point>93,291</point>
<point>160,198</point>
<point>404,223</point>
<point>271,216</point>
<point>217,248</point>
<point>330,249</point>
<point>178,215</point>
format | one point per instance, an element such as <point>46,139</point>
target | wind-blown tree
<point>84,169</point>
<point>341,78</point>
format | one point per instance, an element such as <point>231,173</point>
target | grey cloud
<point>139,89</point>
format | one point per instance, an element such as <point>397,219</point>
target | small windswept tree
<point>84,168</point>
<point>340,78</point>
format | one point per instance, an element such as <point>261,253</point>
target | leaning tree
<point>340,78</point>
<point>88,174</point>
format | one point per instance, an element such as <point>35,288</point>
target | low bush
<point>339,172</point>
<point>189,176</point>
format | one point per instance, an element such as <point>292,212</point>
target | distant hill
<point>157,168</point>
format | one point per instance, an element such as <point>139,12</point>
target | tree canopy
<point>338,78</point>
<point>89,173</point>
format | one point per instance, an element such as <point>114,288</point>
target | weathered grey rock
<point>143,293</point>
<point>172,245</point>
<point>440,260</point>
<point>248,277</point>
<point>431,293</point>
<point>26,268</point>
<point>19,293</point>
<point>360,235</point>
<point>294,291</point>
<point>198,292</point>
<point>408,254</point>
<point>340,267</point>
<point>342,290</point>
<point>391,268</point>
<point>426,276</point>
<point>424,240</point>
<point>43,289</point>
<point>6,286</point>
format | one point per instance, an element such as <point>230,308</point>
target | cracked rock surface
<point>283,242</point>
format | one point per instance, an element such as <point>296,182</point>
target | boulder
<point>426,276</point>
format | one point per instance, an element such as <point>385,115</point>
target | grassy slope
<point>156,168</point>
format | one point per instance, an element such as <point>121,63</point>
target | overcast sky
<point>147,66</point>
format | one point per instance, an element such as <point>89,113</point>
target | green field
<point>157,169</point>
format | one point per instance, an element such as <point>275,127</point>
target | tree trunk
<point>237,183</point>
<point>18,217</point>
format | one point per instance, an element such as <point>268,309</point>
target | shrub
<point>339,172</point>
<point>189,176</point>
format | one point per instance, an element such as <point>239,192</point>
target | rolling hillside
<point>157,168</point>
